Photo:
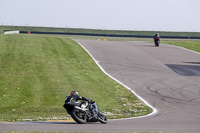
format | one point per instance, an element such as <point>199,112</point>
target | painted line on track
<point>4,122</point>
<point>70,120</point>
<point>154,109</point>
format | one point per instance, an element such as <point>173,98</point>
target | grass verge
<point>81,132</point>
<point>188,44</point>
<point>37,72</point>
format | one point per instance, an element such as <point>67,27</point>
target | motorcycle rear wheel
<point>157,43</point>
<point>78,117</point>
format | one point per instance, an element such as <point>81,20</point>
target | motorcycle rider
<point>156,38</point>
<point>74,97</point>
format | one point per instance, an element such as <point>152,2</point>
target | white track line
<point>154,109</point>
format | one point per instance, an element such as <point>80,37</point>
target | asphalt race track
<point>167,77</point>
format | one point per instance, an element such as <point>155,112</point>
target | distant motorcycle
<point>157,39</point>
<point>157,42</point>
<point>83,112</point>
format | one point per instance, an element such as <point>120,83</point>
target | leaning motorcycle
<point>85,111</point>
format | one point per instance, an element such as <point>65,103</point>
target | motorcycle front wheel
<point>79,117</point>
<point>102,118</point>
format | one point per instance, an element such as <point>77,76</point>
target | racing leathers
<point>156,39</point>
<point>75,98</point>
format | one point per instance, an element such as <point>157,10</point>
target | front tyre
<point>79,117</point>
<point>102,118</point>
<point>157,42</point>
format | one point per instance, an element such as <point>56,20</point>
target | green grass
<point>98,31</point>
<point>82,132</point>
<point>37,72</point>
<point>188,44</point>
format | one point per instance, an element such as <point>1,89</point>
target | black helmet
<point>74,93</point>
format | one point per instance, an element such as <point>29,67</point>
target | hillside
<point>37,72</point>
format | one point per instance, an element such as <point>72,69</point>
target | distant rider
<point>156,38</point>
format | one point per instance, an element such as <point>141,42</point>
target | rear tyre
<point>102,118</point>
<point>158,43</point>
<point>79,117</point>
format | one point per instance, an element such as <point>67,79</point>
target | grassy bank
<point>37,72</point>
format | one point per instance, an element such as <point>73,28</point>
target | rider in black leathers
<point>74,97</point>
<point>156,38</point>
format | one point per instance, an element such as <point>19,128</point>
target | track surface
<point>166,77</point>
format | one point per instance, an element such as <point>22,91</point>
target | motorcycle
<point>157,42</point>
<point>85,111</point>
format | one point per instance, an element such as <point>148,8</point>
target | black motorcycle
<point>157,42</point>
<point>85,111</point>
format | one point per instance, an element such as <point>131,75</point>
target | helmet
<point>74,93</point>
